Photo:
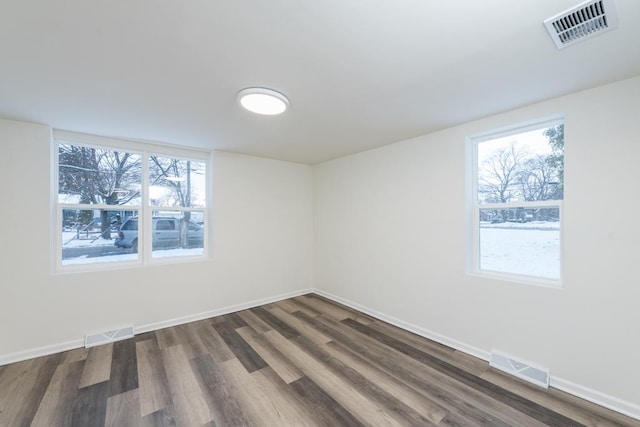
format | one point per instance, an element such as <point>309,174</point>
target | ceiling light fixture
<point>263,101</point>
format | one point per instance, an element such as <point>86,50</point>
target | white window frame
<point>145,209</point>
<point>474,206</point>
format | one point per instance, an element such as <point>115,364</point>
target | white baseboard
<point>626,408</point>
<point>40,351</point>
<point>70,345</point>
<point>474,351</point>
<point>217,312</point>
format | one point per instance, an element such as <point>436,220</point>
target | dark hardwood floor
<point>302,361</point>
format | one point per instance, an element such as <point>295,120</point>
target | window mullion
<point>147,213</point>
<point>511,205</point>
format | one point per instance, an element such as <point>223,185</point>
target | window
<point>126,202</point>
<point>517,191</point>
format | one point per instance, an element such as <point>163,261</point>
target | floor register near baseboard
<point>520,368</point>
<point>105,337</point>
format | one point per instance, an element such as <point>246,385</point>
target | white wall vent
<point>105,337</point>
<point>581,22</point>
<point>519,368</point>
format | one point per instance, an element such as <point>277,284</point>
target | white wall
<point>262,216</point>
<point>390,235</point>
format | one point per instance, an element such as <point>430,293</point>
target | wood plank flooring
<point>306,361</point>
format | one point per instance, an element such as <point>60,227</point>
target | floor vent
<point>581,22</point>
<point>105,337</point>
<point>520,369</point>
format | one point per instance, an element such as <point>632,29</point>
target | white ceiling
<point>359,73</point>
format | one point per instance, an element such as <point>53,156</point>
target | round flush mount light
<point>263,101</point>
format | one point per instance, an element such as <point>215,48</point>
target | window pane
<point>526,166</point>
<point>176,182</point>
<point>91,236</point>
<point>176,234</point>
<point>524,241</point>
<point>90,175</point>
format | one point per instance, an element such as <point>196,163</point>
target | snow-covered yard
<point>530,249</point>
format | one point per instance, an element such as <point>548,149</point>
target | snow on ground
<point>533,225</point>
<point>178,253</point>
<point>84,259</point>
<point>72,239</point>
<point>521,249</point>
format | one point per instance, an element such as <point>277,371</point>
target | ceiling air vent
<point>581,22</point>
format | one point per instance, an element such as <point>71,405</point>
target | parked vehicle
<point>165,234</point>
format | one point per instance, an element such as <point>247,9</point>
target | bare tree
<point>555,136</point>
<point>175,174</point>
<point>500,173</point>
<point>538,179</point>
<point>99,176</point>
<point>512,174</point>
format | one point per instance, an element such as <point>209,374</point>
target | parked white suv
<point>166,234</point>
